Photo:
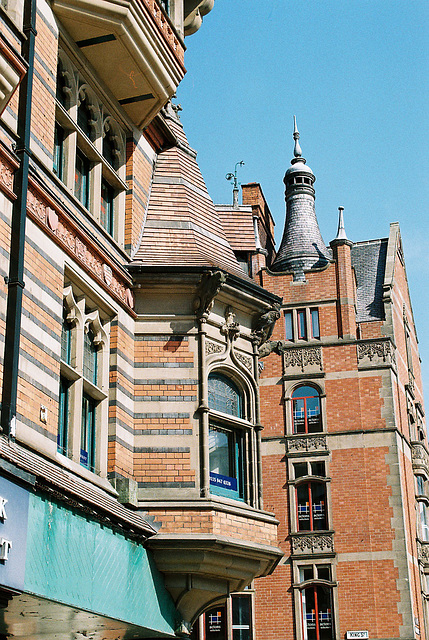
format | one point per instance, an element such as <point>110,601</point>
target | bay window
<point>230,439</point>
<point>89,149</point>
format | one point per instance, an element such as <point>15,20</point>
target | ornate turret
<point>302,248</point>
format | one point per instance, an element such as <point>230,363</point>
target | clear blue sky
<point>356,74</point>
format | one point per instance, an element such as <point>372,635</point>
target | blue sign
<point>13,533</point>
<point>223,481</point>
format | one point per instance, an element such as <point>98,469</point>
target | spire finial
<point>297,149</point>
<point>341,233</point>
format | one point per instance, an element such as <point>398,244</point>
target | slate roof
<point>369,262</point>
<point>238,226</point>
<point>182,226</point>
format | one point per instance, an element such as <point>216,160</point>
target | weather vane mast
<point>233,176</point>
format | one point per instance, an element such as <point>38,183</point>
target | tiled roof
<point>182,226</point>
<point>369,262</point>
<point>238,226</point>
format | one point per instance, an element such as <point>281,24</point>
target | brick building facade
<point>161,364</point>
<point>344,446</point>
<point>130,465</point>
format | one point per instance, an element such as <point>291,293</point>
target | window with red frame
<point>311,506</point>
<point>317,619</point>
<point>306,410</point>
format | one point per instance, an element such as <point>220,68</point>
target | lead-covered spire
<point>302,248</point>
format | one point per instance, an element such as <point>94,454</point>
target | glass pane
<point>241,618</point>
<point>323,572</point>
<point>89,357</point>
<point>300,469</point>
<point>288,325</point>
<point>81,181</point>
<point>87,435</point>
<point>314,423</point>
<point>58,151</point>
<point>318,469</point>
<point>324,607</point>
<point>303,507</point>
<point>306,572</point>
<point>299,416</point>
<point>420,485</point>
<point>106,210</point>
<point>63,417</point>
<point>315,331</point>
<point>215,623</point>
<point>66,339</point>
<point>318,498</point>
<point>305,391</point>
<point>302,328</point>
<point>224,396</point>
<point>219,452</point>
<point>308,597</point>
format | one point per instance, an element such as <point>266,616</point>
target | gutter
<point>15,280</point>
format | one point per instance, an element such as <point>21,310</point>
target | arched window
<point>224,395</point>
<point>317,619</point>
<point>306,410</point>
<point>227,442</point>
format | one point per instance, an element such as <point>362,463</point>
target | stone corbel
<point>194,12</point>
<point>263,325</point>
<point>208,288</point>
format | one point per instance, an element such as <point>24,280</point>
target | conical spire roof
<point>182,226</point>
<point>302,248</point>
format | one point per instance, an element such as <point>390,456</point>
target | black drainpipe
<point>15,281</point>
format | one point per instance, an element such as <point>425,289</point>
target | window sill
<point>93,391</point>
<point>68,372</point>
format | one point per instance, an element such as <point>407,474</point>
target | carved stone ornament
<point>268,347</point>
<point>213,347</point>
<point>419,456</point>
<point>423,551</point>
<point>107,274</point>
<point>307,443</point>
<point>230,328</point>
<point>208,288</point>
<point>263,324</point>
<point>246,361</point>
<point>313,543</point>
<point>68,237</point>
<point>6,175</point>
<point>301,357</point>
<point>377,350</point>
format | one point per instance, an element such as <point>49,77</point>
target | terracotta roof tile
<point>182,226</point>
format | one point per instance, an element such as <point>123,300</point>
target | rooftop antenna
<point>233,176</point>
